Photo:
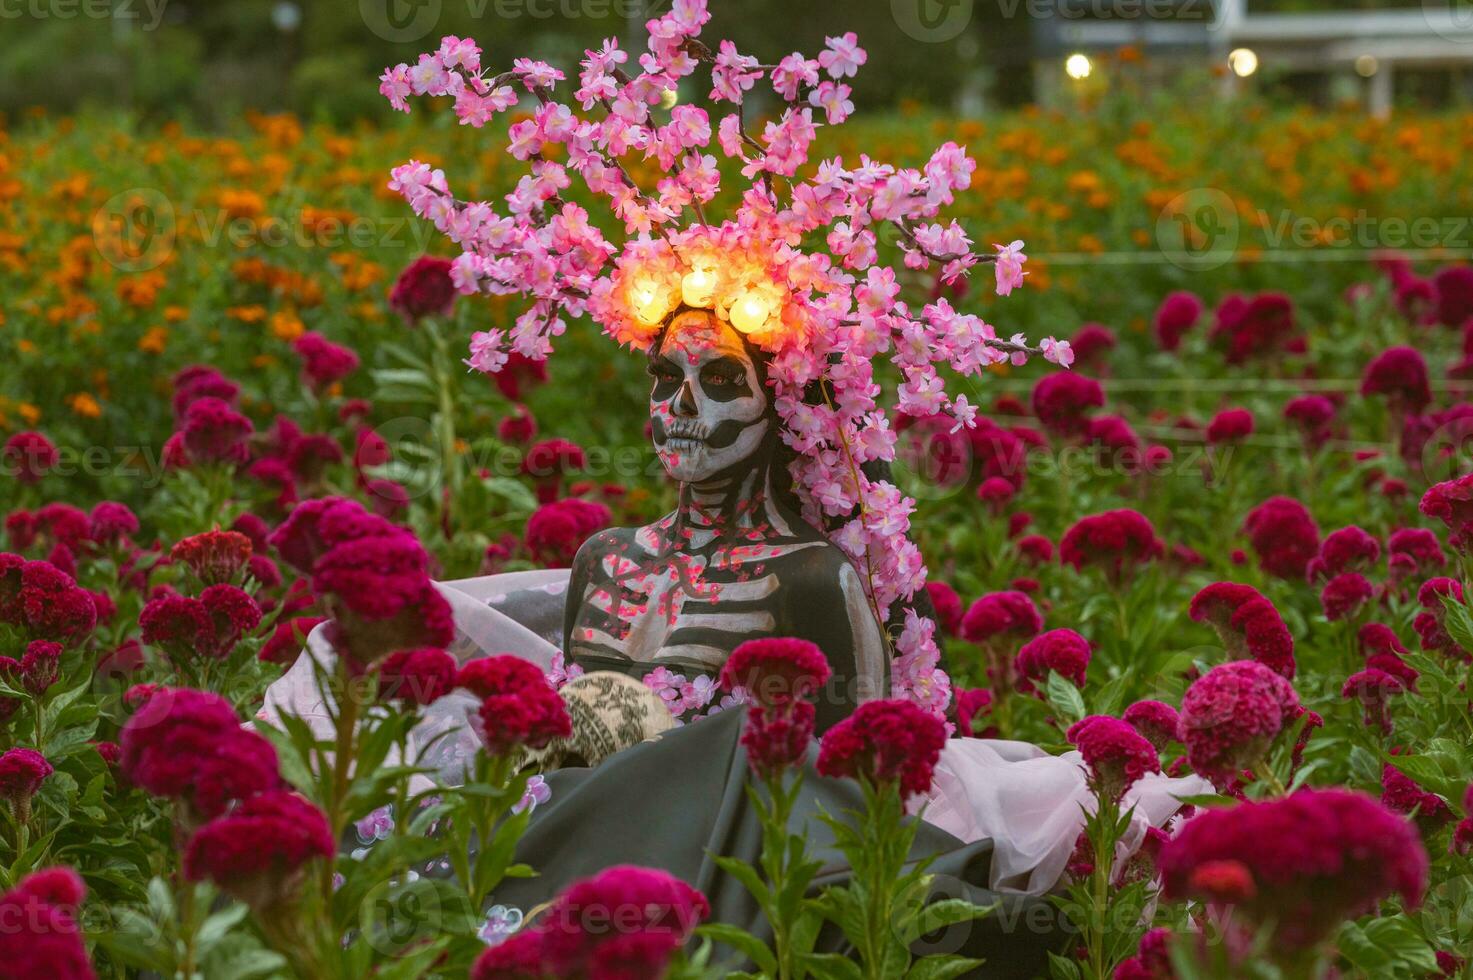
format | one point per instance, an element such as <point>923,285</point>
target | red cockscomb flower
<point>1114,752</point>
<point>1400,374</point>
<point>1350,549</point>
<point>1116,540</point>
<point>44,601</point>
<point>1256,327</point>
<point>1345,595</point>
<point>1152,959</point>
<point>1231,715</point>
<point>1374,688</point>
<point>213,556</point>
<point>947,605</point>
<point>1157,722</point>
<point>556,530</point>
<point>890,741</point>
<point>1035,549</point>
<point>1003,616</point>
<point>423,289</point>
<point>1401,794</point>
<point>777,736</point>
<point>518,957</point>
<point>1312,414</point>
<point>1230,425</point>
<point>776,670</point>
<point>973,709</point>
<point>111,522</point>
<point>1063,401</point>
<point>519,375</point>
<point>549,462</point>
<point>1315,858</point>
<point>286,641</point>
<point>1061,650</point>
<point>416,676</point>
<point>41,937</point>
<point>1177,314</point>
<point>518,705</point>
<point>213,432</point>
<point>1092,344</point>
<point>1452,287</point>
<point>22,771</point>
<point>1422,550</point>
<point>200,381</point>
<point>256,851</point>
<point>28,456</point>
<point>1283,535</point>
<point>1247,623</point>
<point>323,362</point>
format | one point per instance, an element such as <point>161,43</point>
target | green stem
<point>342,763</point>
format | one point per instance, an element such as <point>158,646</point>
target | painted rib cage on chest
<point>683,606</point>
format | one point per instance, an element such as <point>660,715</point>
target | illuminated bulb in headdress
<point>749,313</point>
<point>645,301</point>
<point>697,286</point>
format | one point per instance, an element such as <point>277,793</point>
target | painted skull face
<point>708,409</point>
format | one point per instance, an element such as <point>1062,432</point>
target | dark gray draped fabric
<point>674,802</point>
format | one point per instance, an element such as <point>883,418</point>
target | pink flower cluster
<point>1247,623</point>
<point>821,315</point>
<point>519,708</point>
<point>1231,715</point>
<point>42,937</point>
<point>1115,754</point>
<point>893,741</point>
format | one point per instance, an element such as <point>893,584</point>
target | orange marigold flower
<point>154,340</point>
<point>286,326</point>
<point>85,405</point>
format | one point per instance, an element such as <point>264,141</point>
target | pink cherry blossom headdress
<point>822,313</point>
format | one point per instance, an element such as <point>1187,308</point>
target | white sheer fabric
<point>1031,804</point>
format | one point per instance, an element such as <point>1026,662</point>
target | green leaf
<point>1062,968</point>
<point>1065,697</point>
<point>743,942</point>
<point>832,966</point>
<point>942,967</point>
<point>747,875</point>
<point>940,915</point>
<point>1387,946</point>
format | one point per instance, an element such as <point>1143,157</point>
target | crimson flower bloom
<point>1177,314</point>
<point>519,708</point>
<point>1314,859</point>
<point>1230,425</point>
<point>323,362</point>
<point>1400,374</point>
<point>556,530</point>
<point>891,741</point>
<point>947,605</point>
<point>973,708</point>
<point>1061,650</point>
<point>1116,540</point>
<point>213,556</point>
<point>1283,535</point>
<point>111,522</point>
<point>28,456</point>
<point>1247,623</point>
<point>1063,401</point>
<point>213,432</point>
<point>1231,715</point>
<point>423,289</point>
<point>1401,794</point>
<point>416,676</point>
<point>256,851</point>
<point>1115,754</point>
<point>776,670</point>
<point>41,937</point>
<point>1157,722</point>
<point>1350,549</point>
<point>1345,594</point>
<point>22,771</point>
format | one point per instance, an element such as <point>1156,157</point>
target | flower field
<point>1233,540</point>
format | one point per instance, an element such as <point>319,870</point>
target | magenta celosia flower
<point>556,530</point>
<point>423,289</point>
<point>1230,425</point>
<point>1092,345</point>
<point>1374,688</point>
<point>1450,502</point>
<point>44,601</point>
<point>1115,754</point>
<point>416,676</point>
<point>973,710</point>
<point>1116,540</point>
<point>1349,549</point>
<point>1452,287</point>
<point>1401,794</point>
<point>1247,623</point>
<point>256,851</point>
<point>22,771</point>
<point>323,362</point>
<point>42,937</point>
<point>777,736</point>
<point>1061,650</point>
<point>656,914</point>
<point>213,556</point>
<point>1157,722</point>
<point>776,670</point>
<point>1152,959</point>
<point>1283,535</point>
<point>28,456</point>
<point>518,706</point>
<point>1001,616</point>
<point>1231,715</point>
<point>1400,374</point>
<point>286,641</point>
<point>199,381</point>
<point>518,957</point>
<point>1418,544</point>
<point>1035,549</point>
<point>111,522</point>
<point>887,741</point>
<point>39,667</point>
<point>1253,328</point>
<point>214,432</point>
<point>1312,414</point>
<point>947,605</point>
<point>1315,858</point>
<point>1345,594</point>
<point>1178,313</point>
<point>189,745</point>
<point>1063,401</point>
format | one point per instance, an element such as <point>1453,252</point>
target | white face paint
<point>708,410</point>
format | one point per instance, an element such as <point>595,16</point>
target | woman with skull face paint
<point>734,560</point>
